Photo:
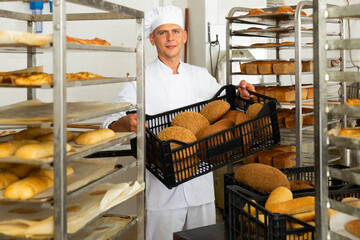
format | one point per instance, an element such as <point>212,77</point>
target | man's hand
<point>243,87</point>
<point>127,123</point>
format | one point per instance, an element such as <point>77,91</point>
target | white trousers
<point>160,225</point>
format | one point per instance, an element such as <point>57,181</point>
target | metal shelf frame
<point>323,110</point>
<point>59,48</point>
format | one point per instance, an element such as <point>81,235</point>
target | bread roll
<point>215,110</point>
<point>28,187</point>
<point>38,150</point>
<point>284,160</point>
<point>93,137</point>
<point>9,148</point>
<point>50,136</point>
<point>353,227</point>
<point>186,161</point>
<point>22,170</point>
<point>190,120</point>
<point>294,206</point>
<point>280,194</point>
<point>262,177</point>
<point>6,179</point>
<point>31,133</point>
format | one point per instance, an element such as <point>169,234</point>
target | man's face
<point>169,40</point>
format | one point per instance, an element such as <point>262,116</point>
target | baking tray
<point>193,160</point>
<point>38,112</point>
<point>272,33</point>
<point>76,152</point>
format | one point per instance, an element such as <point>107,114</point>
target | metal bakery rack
<point>280,26</point>
<point>323,110</point>
<point>60,118</point>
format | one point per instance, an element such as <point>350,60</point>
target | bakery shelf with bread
<point>193,140</point>
<point>348,138</point>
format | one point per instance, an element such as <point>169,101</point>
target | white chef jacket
<point>166,91</point>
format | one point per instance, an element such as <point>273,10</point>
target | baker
<point>170,84</point>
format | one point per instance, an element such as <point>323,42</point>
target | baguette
<point>50,136</point>
<point>9,148</point>
<point>28,187</point>
<point>6,179</point>
<point>297,205</point>
<point>280,194</point>
<point>306,216</point>
<point>93,137</point>
<point>49,172</point>
<point>31,133</point>
<point>38,150</point>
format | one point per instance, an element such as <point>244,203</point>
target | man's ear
<point>151,37</point>
<point>185,36</point>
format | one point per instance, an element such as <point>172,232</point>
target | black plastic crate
<point>175,166</point>
<point>250,220</point>
<point>295,173</point>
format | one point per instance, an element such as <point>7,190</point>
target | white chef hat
<point>162,15</point>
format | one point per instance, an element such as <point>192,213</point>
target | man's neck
<point>172,63</point>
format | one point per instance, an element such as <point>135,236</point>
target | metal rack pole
<point>321,109</point>
<point>31,60</point>
<point>59,69</point>
<point>140,125</point>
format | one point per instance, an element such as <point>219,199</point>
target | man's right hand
<point>127,123</point>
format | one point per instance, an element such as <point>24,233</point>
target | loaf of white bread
<point>95,136</point>
<point>36,182</point>
<point>284,93</point>
<point>37,150</point>
<point>274,67</point>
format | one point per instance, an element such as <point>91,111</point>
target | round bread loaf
<point>231,115</point>
<point>225,122</point>
<point>215,110</point>
<point>190,120</point>
<point>208,131</point>
<point>261,177</point>
<point>185,161</point>
<point>254,110</point>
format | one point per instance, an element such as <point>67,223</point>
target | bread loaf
<point>280,194</point>
<point>9,148</point>
<point>284,94</point>
<point>282,114</point>
<point>6,179</point>
<point>31,133</point>
<point>270,92</point>
<point>284,67</point>
<point>306,216</point>
<point>284,9</point>
<point>231,115</point>
<point>93,137</point>
<point>352,201</point>
<point>50,136</point>
<point>252,68</point>
<point>301,184</point>
<point>215,110</point>
<point>256,11</point>
<point>262,177</point>
<point>22,170</point>
<point>186,161</point>
<point>284,160</point>
<point>28,187</point>
<point>37,182</point>
<point>38,150</point>
<point>190,120</point>
<point>224,122</point>
<point>295,206</point>
<point>353,227</point>
<point>307,66</point>
<point>254,110</point>
<point>266,157</point>
<point>350,132</point>
<point>266,67</point>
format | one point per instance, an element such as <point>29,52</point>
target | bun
<point>6,179</point>
<point>187,163</point>
<point>215,110</point>
<point>294,206</point>
<point>9,148</point>
<point>353,227</point>
<point>284,9</point>
<point>50,136</point>
<point>31,133</point>
<point>190,120</point>
<point>262,177</point>
<point>280,194</point>
<point>37,150</point>
<point>256,11</point>
<point>93,137</point>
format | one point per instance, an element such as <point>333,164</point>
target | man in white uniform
<point>170,84</point>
